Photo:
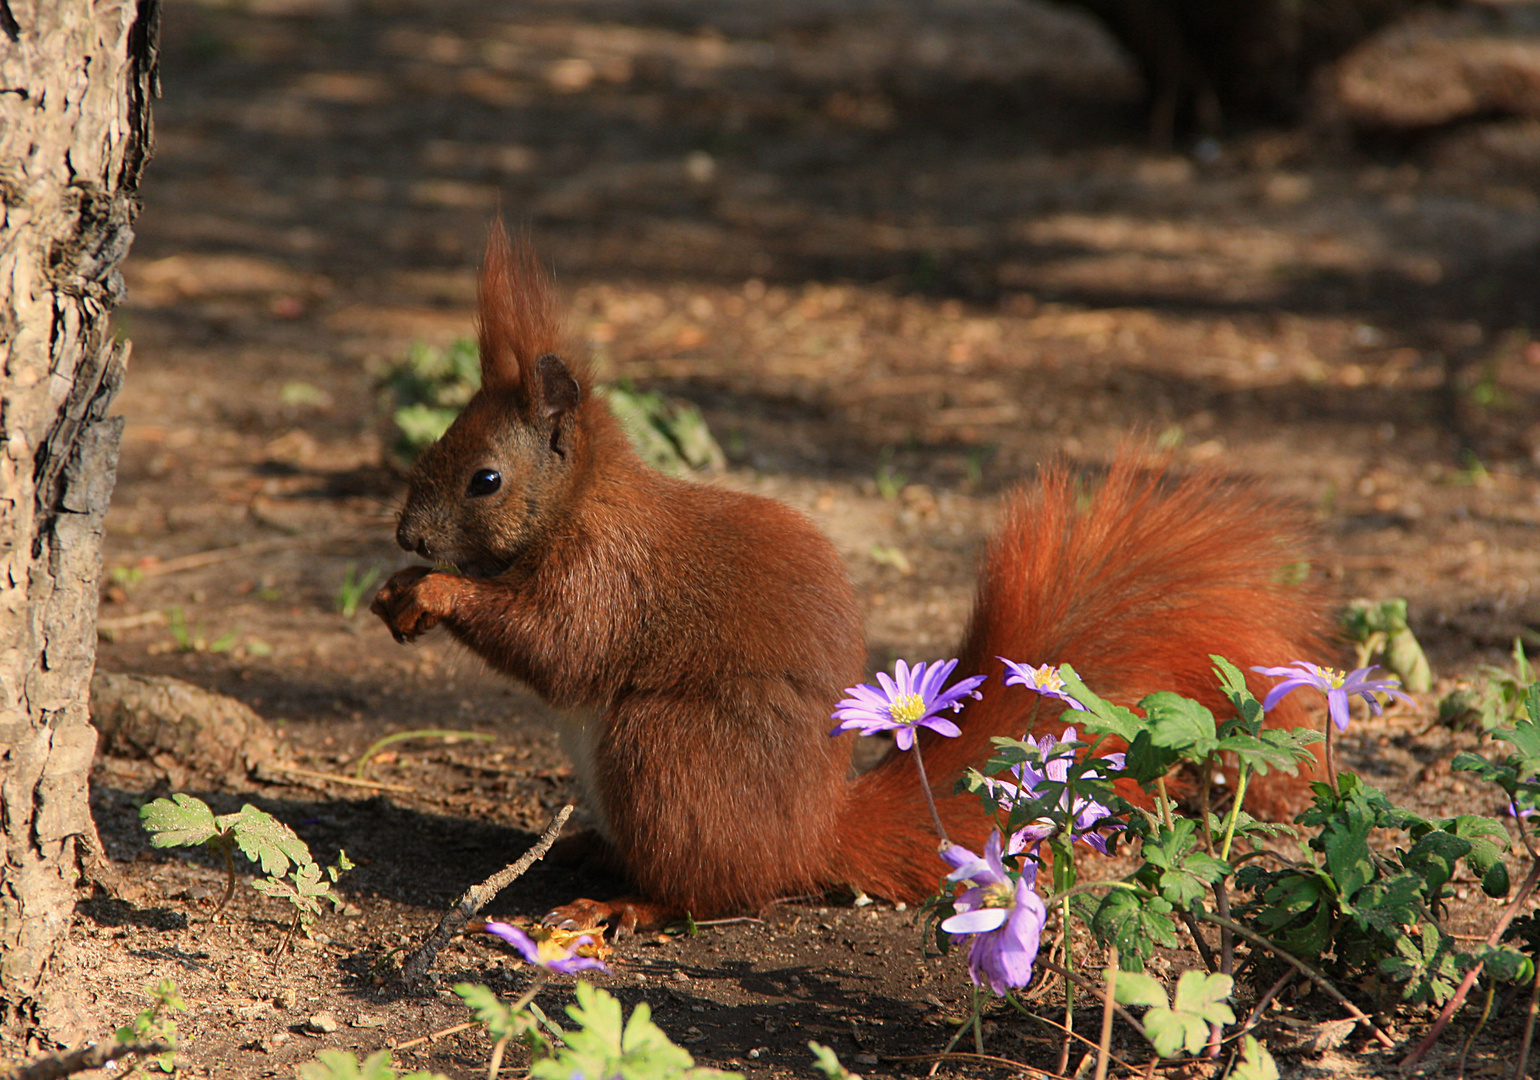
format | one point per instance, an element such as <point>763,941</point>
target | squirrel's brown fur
<point>700,637</point>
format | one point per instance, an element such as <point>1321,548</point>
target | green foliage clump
<point>603,1044</point>
<point>424,391</point>
<point>289,871</point>
<point>1184,1022</point>
<point>1377,628</point>
<point>1493,698</point>
<point>154,1025</point>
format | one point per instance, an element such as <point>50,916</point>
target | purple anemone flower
<point>909,700</point>
<point>1339,688</point>
<point>548,954</point>
<point>1046,680</point>
<point>1085,812</point>
<point>1004,916</point>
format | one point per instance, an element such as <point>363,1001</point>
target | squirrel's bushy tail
<point>1134,581</point>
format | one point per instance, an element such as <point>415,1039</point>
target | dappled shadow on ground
<point>900,255</point>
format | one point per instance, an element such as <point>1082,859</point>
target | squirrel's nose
<point>410,539</point>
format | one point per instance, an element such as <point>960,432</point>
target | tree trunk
<point>75,81</point>
<point>1211,63</point>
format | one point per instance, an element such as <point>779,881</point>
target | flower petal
<point>980,921</point>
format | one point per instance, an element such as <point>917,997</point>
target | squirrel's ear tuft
<point>517,315</point>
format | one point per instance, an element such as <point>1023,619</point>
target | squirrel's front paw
<point>412,602</point>
<point>624,916</point>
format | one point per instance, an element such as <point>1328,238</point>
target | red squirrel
<point>698,638</point>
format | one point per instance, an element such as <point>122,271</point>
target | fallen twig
<point>1104,1051</point>
<point>1447,1012</point>
<point>1086,984</point>
<point>477,897</point>
<point>198,559</point>
<point>435,1036</point>
<point>1308,972</point>
<point>56,1066</point>
<point>346,781</point>
<point>425,733</point>
<point>963,1055</point>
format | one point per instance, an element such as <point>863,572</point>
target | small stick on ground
<point>1531,880</point>
<point>1104,1051</point>
<point>476,898</point>
<point>1308,972</point>
<point>333,778</point>
<point>437,1035</point>
<point>56,1066</point>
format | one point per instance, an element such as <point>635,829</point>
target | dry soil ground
<point>914,242</point>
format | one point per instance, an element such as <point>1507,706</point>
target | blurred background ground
<point>898,254</point>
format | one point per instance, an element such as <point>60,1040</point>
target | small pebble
<point>323,1022</point>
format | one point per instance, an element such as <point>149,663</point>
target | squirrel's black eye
<point>484,482</point>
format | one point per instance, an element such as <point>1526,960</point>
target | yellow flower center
<point>907,708</point>
<point>1002,894</point>
<point>1048,678</point>
<point>550,951</point>
<point>1335,677</point>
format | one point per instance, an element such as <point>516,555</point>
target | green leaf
<point>267,841</point>
<point>180,821</point>
<point>1248,709</point>
<point>1525,734</point>
<point>1297,908</point>
<point>304,888</point>
<point>1180,724</point>
<point>1100,716</point>
<point>1146,762</point>
<point>1135,924</point>
<point>1185,1025</point>
<point>1505,963</point>
<point>1255,1063</point>
<point>1272,748</point>
<point>341,1065</point>
<point>827,1062</point>
<point>1135,988</point>
<point>495,1015</point>
<point>1435,857</point>
<point>1184,872</point>
<point>1426,963</point>
<point>1344,839</point>
<point>602,1046</point>
<point>1203,994</point>
<point>1388,904</point>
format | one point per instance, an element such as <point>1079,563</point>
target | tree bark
<point>76,77</point>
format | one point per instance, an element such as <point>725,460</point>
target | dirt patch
<point>903,249</point>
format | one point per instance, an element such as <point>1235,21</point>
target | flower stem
<point>962,1029</point>
<point>1069,993</point>
<point>1331,767</point>
<point>930,799</point>
<point>1235,810</point>
<point>1165,802</point>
